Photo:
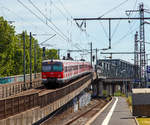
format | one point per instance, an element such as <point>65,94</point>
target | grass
<point>129,101</point>
<point>104,93</point>
<point>143,121</point>
<point>108,98</point>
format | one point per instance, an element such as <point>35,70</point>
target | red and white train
<point>61,71</point>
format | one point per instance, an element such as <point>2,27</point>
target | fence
<point>7,90</point>
<point>17,78</point>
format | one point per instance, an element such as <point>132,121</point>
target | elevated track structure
<point>32,106</point>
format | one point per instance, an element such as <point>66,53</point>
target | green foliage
<point>11,51</point>
<point>105,93</point>
<point>7,40</point>
<point>51,54</point>
<point>129,100</point>
<point>143,121</point>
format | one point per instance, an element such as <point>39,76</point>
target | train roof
<point>56,60</point>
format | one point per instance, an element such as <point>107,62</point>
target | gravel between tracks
<point>80,117</point>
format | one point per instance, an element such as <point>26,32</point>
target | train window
<point>46,68</point>
<point>57,68</point>
<point>52,67</point>
<point>70,68</point>
<point>74,67</point>
<point>65,69</point>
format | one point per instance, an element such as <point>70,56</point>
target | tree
<point>27,53</point>
<point>51,54</point>
<point>11,51</point>
<point>7,38</point>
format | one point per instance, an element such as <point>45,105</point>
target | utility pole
<point>34,59</point>
<point>136,58</point>
<point>30,60</point>
<point>24,61</point>
<point>58,52</point>
<point>142,47</point>
<point>96,61</point>
<point>96,56</point>
<point>109,34</point>
<point>91,52</point>
<point>43,53</point>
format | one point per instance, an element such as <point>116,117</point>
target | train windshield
<point>46,68</point>
<point>52,67</point>
<point>57,68</point>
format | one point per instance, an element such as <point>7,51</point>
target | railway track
<point>86,115</point>
<point>80,117</point>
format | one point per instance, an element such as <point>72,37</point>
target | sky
<point>56,17</point>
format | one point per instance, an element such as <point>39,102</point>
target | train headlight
<point>44,76</point>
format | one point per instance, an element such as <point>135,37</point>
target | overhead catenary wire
<point>60,11</point>
<point>116,28</point>
<point>41,19</point>
<point>13,13</point>
<point>87,35</point>
<point>48,19</point>
<point>114,8</point>
<point>104,30</point>
<point>47,39</point>
<point>65,9</point>
<point>85,31</point>
<point>130,13</point>
<point>68,19</point>
<point>124,36</point>
<point>68,39</point>
<point>17,15</point>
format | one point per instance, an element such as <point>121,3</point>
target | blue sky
<point>123,35</point>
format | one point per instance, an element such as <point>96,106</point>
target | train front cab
<point>52,73</point>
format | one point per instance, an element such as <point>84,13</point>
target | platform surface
<point>117,113</point>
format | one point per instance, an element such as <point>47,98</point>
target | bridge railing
<point>115,73</point>
<point>17,78</point>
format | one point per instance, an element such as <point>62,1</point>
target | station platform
<point>116,112</point>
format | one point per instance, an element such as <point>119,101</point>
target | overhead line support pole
<point>96,61</point>
<point>30,60</point>
<point>35,59</point>
<point>109,34</point>
<point>91,52</point>
<point>136,58</point>
<point>142,47</point>
<point>24,61</point>
<point>58,52</point>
